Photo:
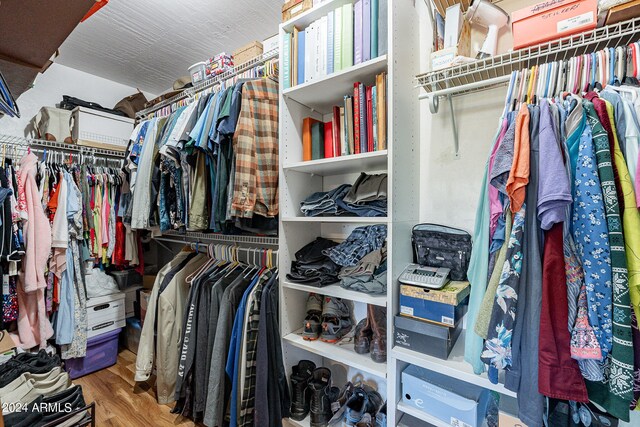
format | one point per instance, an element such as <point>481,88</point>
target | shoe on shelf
<point>378,320</point>
<point>365,400</point>
<point>322,395</point>
<point>336,320</point>
<point>312,321</point>
<point>363,335</point>
<point>366,421</point>
<point>339,405</point>
<point>300,392</point>
<point>381,416</point>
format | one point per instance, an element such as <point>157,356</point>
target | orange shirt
<point>519,175</point>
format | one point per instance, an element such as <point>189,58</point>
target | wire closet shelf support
<point>496,71</point>
<point>22,145</point>
<point>206,84</point>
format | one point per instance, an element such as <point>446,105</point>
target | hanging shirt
<point>592,242</point>
<point>519,176</point>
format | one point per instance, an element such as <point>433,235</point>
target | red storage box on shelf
<point>102,352</point>
<point>551,20</point>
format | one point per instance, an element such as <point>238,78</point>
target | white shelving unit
<point>299,179</point>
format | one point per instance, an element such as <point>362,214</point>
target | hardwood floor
<point>120,402</point>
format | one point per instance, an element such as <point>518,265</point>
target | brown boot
<point>378,320</point>
<point>363,335</point>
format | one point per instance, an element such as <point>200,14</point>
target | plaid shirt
<point>360,242</point>
<point>255,144</point>
<point>247,401</point>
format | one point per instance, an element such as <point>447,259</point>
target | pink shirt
<point>495,207</point>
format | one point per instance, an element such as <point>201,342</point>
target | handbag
<point>441,246</point>
<point>131,104</point>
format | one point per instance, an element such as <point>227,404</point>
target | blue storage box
<point>432,311</point>
<point>448,399</point>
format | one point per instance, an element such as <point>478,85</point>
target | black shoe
<point>365,400</point>
<point>321,397</point>
<point>67,400</point>
<point>300,394</point>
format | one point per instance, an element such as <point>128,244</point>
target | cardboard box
<point>453,23</point>
<point>453,293</point>
<point>447,399</point>
<point>247,53</point>
<point>272,43</point>
<point>506,420</point>
<point>97,129</point>
<point>148,280</point>
<point>435,312</point>
<point>424,337</point>
<point>551,20</point>
<point>444,58</point>
<point>293,8</point>
<point>131,304</point>
<point>105,314</point>
<point>623,12</point>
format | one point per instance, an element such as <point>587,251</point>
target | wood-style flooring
<point>120,402</point>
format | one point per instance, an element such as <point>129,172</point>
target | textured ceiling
<point>149,43</point>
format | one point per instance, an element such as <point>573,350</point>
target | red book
<point>369,93</point>
<point>335,127</point>
<point>356,117</point>
<point>328,140</point>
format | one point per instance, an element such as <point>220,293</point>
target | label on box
<point>442,58</point>
<point>447,320</point>
<point>457,423</point>
<point>575,22</point>
<point>406,310</point>
<point>296,9</point>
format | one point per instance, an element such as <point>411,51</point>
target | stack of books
<point>357,126</point>
<point>349,35</point>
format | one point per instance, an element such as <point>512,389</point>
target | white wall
<point>450,186</point>
<point>59,80</point>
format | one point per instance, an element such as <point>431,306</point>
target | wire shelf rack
<point>477,75</point>
<point>22,144</point>
<point>206,84</point>
<point>191,236</point>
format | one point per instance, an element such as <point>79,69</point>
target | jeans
<point>321,203</point>
<point>359,243</point>
<point>370,209</point>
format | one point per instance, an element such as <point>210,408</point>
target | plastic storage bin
<point>197,72</point>
<point>102,352</point>
<point>97,129</point>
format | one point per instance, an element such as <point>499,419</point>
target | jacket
<point>33,325</point>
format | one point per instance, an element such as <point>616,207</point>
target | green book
<point>347,35</point>
<point>317,141</point>
<point>337,40</point>
<point>286,75</point>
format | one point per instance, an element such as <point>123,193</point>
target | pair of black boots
<point>311,392</point>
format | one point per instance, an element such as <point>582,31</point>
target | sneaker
<point>366,421</point>
<point>340,404</point>
<point>300,392</point>
<point>322,395</point>
<point>381,416</point>
<point>365,400</point>
<point>312,322</point>
<point>336,320</point>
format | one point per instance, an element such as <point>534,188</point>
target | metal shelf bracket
<point>434,106</point>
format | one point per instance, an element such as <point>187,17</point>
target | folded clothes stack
<point>319,263</point>
<point>367,197</point>
<point>369,275</point>
<point>32,386</point>
<point>312,267</point>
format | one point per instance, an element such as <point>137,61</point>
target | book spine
<point>369,92</point>
<point>335,120</point>
<point>308,53</point>
<point>347,35</point>
<point>366,30</point>
<point>362,109</point>
<point>357,31</point>
<point>337,42</point>
<point>286,77</point>
<point>328,140</point>
<point>356,117</point>
<point>306,139</point>
<point>374,28</point>
<point>374,98</point>
<point>330,41</point>
<point>301,57</point>
<point>324,23</point>
<point>318,46</point>
<point>345,129</point>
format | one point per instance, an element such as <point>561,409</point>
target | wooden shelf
<point>455,366</point>
<point>324,93</point>
<point>339,292</point>
<point>342,353</point>
<point>304,19</point>
<point>375,160</point>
